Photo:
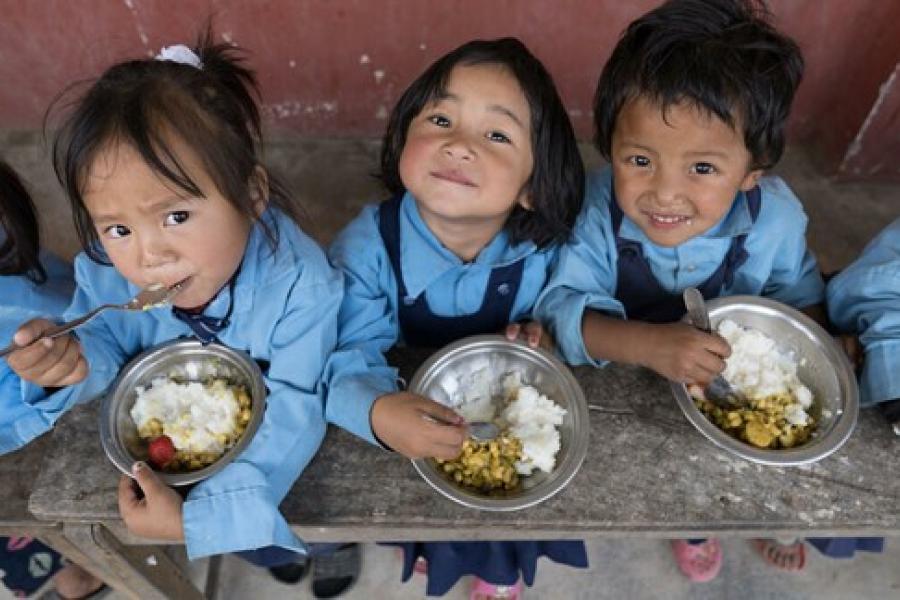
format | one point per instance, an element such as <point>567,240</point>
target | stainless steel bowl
<point>186,360</point>
<point>538,368</point>
<point>823,369</point>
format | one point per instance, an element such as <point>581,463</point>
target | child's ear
<point>750,180</point>
<point>524,200</point>
<point>259,190</point>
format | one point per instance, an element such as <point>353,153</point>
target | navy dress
<point>645,300</point>
<point>496,562</point>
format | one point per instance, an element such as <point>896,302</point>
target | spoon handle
<point>696,308</point>
<point>58,330</point>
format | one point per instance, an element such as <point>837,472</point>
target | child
<point>689,111</point>
<point>486,178</point>
<point>32,284</point>
<point>161,162</point>
<point>864,299</point>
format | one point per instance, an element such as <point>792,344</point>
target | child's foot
<point>787,557</point>
<point>335,573</point>
<point>699,562</point>
<point>73,582</point>
<point>482,590</point>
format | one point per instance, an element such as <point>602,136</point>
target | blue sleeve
<point>865,299</point>
<point>358,373</point>
<point>794,278</point>
<point>584,278</point>
<point>19,422</point>
<point>105,347</point>
<point>237,508</point>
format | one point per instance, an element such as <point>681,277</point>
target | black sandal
<point>335,573</point>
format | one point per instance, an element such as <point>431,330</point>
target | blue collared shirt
<point>779,265</point>
<point>357,374</point>
<point>285,312</point>
<point>22,300</point>
<point>865,299</point>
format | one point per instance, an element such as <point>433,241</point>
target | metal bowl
<point>824,369</point>
<point>539,369</point>
<point>185,360</point>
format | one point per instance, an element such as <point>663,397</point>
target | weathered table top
<point>18,472</point>
<point>648,472</point>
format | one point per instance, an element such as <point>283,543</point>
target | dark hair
<point>723,56</point>
<point>20,250</point>
<point>212,109</point>
<point>556,185</point>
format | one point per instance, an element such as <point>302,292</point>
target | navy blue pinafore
<point>499,563</point>
<point>645,300</point>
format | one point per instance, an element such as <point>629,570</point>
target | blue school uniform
<point>21,300</point>
<point>403,285</point>
<point>865,299</point>
<point>282,310</point>
<point>611,266</point>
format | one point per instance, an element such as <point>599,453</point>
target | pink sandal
<point>482,590</point>
<point>698,562</point>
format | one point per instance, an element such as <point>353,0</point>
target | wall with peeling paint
<point>335,67</point>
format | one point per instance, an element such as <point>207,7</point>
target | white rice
<point>529,415</point>
<point>759,369</point>
<point>195,416</point>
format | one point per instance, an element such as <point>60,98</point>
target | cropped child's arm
<point>865,299</point>
<point>103,345</point>
<point>237,508</point>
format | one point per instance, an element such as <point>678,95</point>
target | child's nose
<point>667,186</point>
<point>458,148</point>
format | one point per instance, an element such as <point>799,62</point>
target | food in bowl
<point>189,425</point>
<point>529,437</point>
<point>778,415</point>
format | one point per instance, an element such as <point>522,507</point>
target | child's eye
<point>639,161</point>
<point>117,231</point>
<point>496,136</point>
<point>703,168</point>
<point>440,120</point>
<point>177,217</point>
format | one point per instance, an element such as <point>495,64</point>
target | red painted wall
<point>335,67</point>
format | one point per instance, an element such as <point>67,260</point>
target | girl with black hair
<point>485,181</point>
<point>32,284</point>
<point>161,161</point>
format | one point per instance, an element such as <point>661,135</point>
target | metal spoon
<point>480,431</point>
<point>155,294</point>
<point>718,391</point>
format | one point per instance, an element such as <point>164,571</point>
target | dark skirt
<point>500,563</point>
<point>26,564</point>
<point>846,547</point>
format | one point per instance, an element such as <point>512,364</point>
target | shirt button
<point>409,301</point>
<point>691,268</point>
<point>503,289</point>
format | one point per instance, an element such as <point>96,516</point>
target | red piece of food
<point>161,451</point>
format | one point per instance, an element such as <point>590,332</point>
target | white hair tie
<point>181,54</point>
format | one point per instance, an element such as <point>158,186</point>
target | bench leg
<point>141,572</point>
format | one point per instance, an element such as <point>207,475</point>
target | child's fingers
<point>444,452</point>
<point>30,330</point>
<point>40,357</point>
<point>440,412</point>
<point>66,362</point>
<point>533,332</point>
<point>716,344</point>
<point>147,479</point>
<point>512,331</point>
<point>128,498</point>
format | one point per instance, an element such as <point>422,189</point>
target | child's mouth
<point>662,221</point>
<point>453,176</point>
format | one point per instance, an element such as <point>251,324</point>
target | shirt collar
<point>423,259</point>
<point>737,221</point>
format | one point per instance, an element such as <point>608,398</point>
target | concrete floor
<point>333,178</point>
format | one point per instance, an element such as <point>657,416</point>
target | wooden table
<point>648,473</point>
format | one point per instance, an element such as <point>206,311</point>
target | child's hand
<point>532,333</point>
<point>158,514</point>
<point>47,363</point>
<point>417,427</point>
<point>853,349</point>
<point>683,353</point>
